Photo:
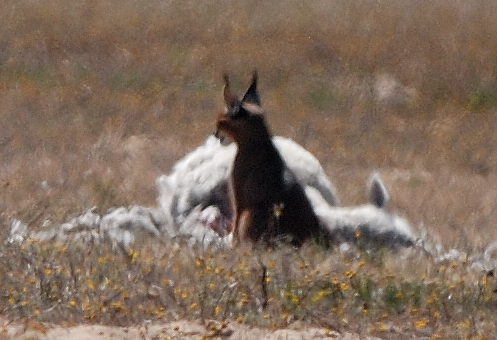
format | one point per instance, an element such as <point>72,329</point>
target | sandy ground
<point>173,330</point>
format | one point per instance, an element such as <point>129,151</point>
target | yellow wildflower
<point>421,323</point>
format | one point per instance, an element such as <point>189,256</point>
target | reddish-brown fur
<point>267,199</point>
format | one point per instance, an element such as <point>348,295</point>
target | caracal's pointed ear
<point>252,96</point>
<point>378,194</point>
<point>230,99</point>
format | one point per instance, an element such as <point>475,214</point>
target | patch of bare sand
<point>172,330</point>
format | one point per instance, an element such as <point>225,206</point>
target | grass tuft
<point>79,284</point>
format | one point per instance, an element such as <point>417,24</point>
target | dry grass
<point>99,97</point>
<point>377,293</point>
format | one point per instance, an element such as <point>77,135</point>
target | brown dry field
<point>98,98</point>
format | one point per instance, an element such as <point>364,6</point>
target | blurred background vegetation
<point>99,97</point>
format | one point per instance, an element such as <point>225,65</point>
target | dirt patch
<point>173,330</point>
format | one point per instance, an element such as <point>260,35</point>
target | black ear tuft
<point>231,101</point>
<point>252,96</point>
<point>226,80</point>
